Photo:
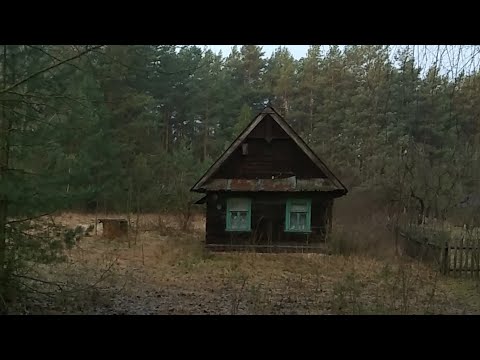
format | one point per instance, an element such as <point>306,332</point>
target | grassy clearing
<point>168,272</point>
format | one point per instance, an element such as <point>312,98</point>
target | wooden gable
<point>268,151</point>
<point>269,156</point>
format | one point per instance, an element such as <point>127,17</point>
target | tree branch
<point>135,68</point>
<point>52,56</point>
<point>49,68</point>
<point>78,100</point>
<point>30,218</point>
<point>26,172</point>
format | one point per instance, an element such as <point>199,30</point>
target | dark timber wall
<point>270,152</point>
<point>268,219</point>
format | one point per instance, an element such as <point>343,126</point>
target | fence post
<point>471,255</point>
<point>477,257</point>
<point>454,268</point>
<point>446,259</point>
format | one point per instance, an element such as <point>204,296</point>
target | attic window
<point>245,149</point>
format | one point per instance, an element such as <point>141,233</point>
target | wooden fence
<point>461,257</point>
<point>455,257</point>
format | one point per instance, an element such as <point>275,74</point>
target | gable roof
<point>334,182</point>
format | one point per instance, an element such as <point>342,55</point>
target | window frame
<point>288,214</point>
<point>228,219</point>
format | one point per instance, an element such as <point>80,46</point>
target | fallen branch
<point>61,286</point>
<point>40,281</point>
<point>49,294</point>
<point>102,277</point>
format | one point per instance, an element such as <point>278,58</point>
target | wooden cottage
<point>268,190</point>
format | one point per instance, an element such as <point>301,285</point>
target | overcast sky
<point>298,51</point>
<point>450,58</point>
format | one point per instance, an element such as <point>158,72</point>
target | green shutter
<point>289,220</point>
<point>287,216</point>
<point>235,206</point>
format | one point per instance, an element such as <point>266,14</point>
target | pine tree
<point>34,165</point>
<point>309,91</point>
<point>281,72</point>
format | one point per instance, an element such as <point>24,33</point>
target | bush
<point>366,236</point>
<point>361,226</point>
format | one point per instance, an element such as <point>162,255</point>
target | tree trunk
<point>329,219</point>
<point>167,130</point>
<point>312,101</point>
<point>129,202</point>
<point>311,113</point>
<point>4,159</point>
<point>186,217</point>
<point>205,137</point>
<point>138,215</point>
<point>105,204</point>
<point>68,185</point>
<point>96,216</point>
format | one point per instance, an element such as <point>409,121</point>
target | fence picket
<point>471,251</point>
<point>461,248</point>
<point>477,256</point>
<point>455,247</point>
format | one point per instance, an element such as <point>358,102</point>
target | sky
<point>298,51</point>
<point>450,58</point>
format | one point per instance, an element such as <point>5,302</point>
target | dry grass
<point>368,236</point>
<point>168,271</point>
<point>147,222</point>
<point>362,232</point>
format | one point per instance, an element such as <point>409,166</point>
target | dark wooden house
<point>268,190</point>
